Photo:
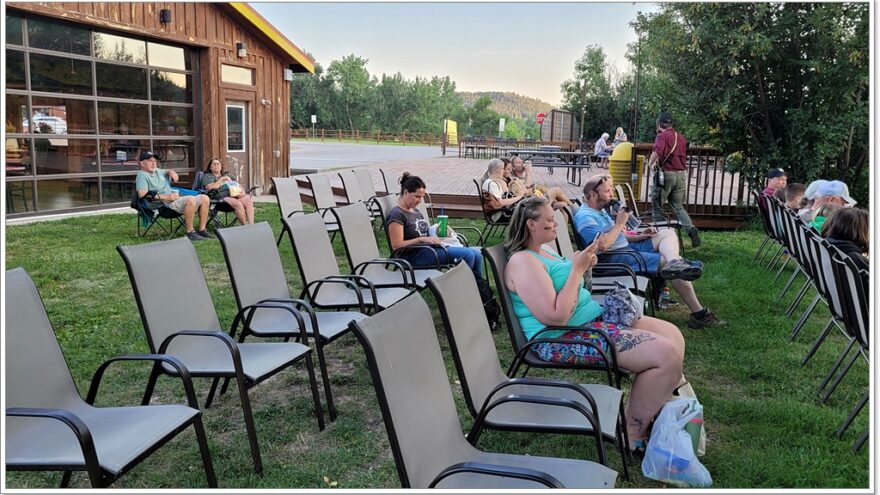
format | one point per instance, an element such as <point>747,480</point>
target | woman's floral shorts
<point>579,354</point>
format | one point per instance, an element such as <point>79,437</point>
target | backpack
<point>490,304</point>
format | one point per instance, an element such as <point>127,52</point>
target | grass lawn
<point>765,425</point>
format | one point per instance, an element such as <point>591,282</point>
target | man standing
<point>776,180</point>
<point>658,249</point>
<point>155,181</point>
<point>670,155</point>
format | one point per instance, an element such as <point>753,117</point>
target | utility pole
<point>583,111</point>
<point>638,84</point>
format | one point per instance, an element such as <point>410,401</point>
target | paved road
<point>318,156</point>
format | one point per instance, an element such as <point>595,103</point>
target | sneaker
<point>708,320</point>
<point>694,234</point>
<point>680,269</point>
<point>205,234</point>
<point>194,236</point>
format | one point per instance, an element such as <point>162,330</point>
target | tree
<point>588,93</point>
<point>353,86</point>
<point>773,85</point>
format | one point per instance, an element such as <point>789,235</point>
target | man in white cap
<point>825,191</point>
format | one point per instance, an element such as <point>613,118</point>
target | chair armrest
<point>550,382</point>
<point>223,337</point>
<point>248,312</point>
<point>640,260</point>
<point>72,421</point>
<point>592,417</point>
<point>396,253</point>
<point>348,283</point>
<point>403,269</point>
<point>182,372</point>
<point>500,471</point>
<point>294,212</point>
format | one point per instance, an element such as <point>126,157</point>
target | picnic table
<point>552,156</point>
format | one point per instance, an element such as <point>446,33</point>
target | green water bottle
<point>442,221</point>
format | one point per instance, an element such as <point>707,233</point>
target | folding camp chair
<point>289,200</point>
<point>151,212</point>
<point>363,252</point>
<point>323,284</point>
<point>179,319</point>
<point>522,347</point>
<point>424,430</point>
<point>218,206</point>
<point>265,307</point>
<point>49,427</point>
<point>544,405</point>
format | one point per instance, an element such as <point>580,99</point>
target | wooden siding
<point>212,30</point>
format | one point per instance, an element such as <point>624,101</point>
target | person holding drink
<point>154,181</point>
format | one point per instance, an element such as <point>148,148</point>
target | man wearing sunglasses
<point>650,252</point>
<point>670,155</point>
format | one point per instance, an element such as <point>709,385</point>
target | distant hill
<point>509,103</point>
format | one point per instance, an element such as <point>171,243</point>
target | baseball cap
<point>814,186</point>
<point>835,188</point>
<point>146,155</point>
<point>776,172</point>
<point>664,118</point>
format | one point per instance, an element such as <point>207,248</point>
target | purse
<point>235,189</point>
<point>621,307</point>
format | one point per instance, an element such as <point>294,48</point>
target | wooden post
<point>404,138</point>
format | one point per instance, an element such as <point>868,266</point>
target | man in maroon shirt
<point>670,154</point>
<point>776,179</point>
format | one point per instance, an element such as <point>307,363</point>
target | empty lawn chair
<point>263,296</point>
<point>522,404</point>
<point>322,194</point>
<point>179,319</point>
<point>363,252</point>
<point>323,284</point>
<point>49,427</point>
<point>420,416</point>
<point>289,200</point>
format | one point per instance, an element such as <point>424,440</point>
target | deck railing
<point>404,138</point>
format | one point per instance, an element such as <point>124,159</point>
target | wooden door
<point>238,141</point>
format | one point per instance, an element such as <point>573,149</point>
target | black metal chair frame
<point>150,214</point>
<point>492,226</point>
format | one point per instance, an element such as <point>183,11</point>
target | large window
<point>81,105</point>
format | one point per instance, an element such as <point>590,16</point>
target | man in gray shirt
<point>155,181</point>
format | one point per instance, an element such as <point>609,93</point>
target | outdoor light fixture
<point>241,49</point>
<point>265,102</point>
<point>165,16</point>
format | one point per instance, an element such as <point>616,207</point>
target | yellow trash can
<point>619,166</point>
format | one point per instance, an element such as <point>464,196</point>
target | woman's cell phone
<point>593,244</point>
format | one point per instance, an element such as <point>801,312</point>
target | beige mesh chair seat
<point>363,252</point>
<point>422,422</point>
<point>179,319</point>
<point>49,427</point>
<point>289,200</point>
<point>266,308</point>
<point>551,406</point>
<point>324,285</point>
<point>368,190</point>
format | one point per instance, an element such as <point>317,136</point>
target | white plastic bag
<point>670,455</point>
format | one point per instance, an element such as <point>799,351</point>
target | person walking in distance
<point>670,156</point>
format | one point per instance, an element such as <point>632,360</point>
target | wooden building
<point>559,125</point>
<point>91,85</point>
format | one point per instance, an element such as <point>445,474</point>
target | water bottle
<point>664,299</point>
<point>443,221</point>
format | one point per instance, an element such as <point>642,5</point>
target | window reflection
<point>117,188</point>
<point>16,113</point>
<point>172,121</point>
<point>60,74</point>
<point>120,48</point>
<point>120,81</point>
<point>174,154</point>
<point>64,156</point>
<point>121,154</point>
<point>67,193</point>
<point>170,86</point>
<point>13,30</point>
<point>171,57</point>
<point>62,116</point>
<point>18,157</point>
<point>58,37</point>
<point>123,118</point>
<point>15,78</point>
<point>19,196</point>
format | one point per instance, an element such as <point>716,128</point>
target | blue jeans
<point>423,258</point>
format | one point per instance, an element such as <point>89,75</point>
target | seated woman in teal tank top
<point>548,290</point>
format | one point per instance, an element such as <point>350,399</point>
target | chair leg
<point>151,384</point>
<point>788,284</point>
<point>65,479</point>
<point>836,365</point>
<point>861,441</point>
<point>762,246</point>
<point>781,269</point>
<point>249,424</point>
<point>325,377</point>
<point>843,373</point>
<point>211,392</point>
<point>805,316</point>
<point>819,340</point>
<point>313,383</point>
<point>203,450</point>
<point>624,448</point>
<point>852,415</point>
<point>281,235</point>
<point>797,300</point>
<point>775,259</point>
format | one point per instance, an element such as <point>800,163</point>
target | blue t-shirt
<point>589,221</point>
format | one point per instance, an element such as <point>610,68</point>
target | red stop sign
<point>540,118</point>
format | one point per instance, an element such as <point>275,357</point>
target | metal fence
<point>404,138</point>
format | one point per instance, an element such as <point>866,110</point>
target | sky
<point>525,48</point>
